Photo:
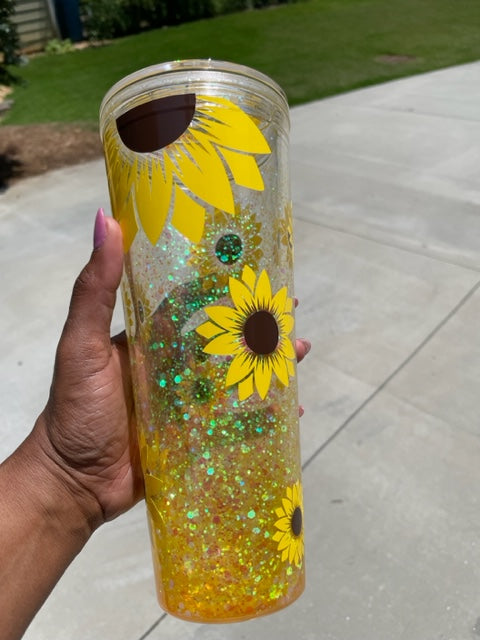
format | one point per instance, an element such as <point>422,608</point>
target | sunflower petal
<point>244,169</point>
<point>288,506</point>
<point>225,317</point>
<point>286,348</point>
<point>223,345</point>
<point>230,126</point>
<point>152,198</point>
<point>155,514</point>
<point>295,496</point>
<point>263,291</point>
<point>286,323</point>
<point>280,512</point>
<point>278,535</point>
<point>153,485</point>
<point>283,524</point>
<point>188,216</point>
<point>241,296</point>
<point>291,368</point>
<point>128,225</point>
<point>280,369</point>
<point>201,159</point>
<point>291,551</point>
<point>284,542</point>
<point>245,388</point>
<point>240,367</point>
<point>263,377</point>
<point>248,276</point>
<point>209,329</point>
<point>284,554</point>
<point>279,300</point>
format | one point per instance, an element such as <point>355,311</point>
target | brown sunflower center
<point>157,123</point>
<point>296,522</point>
<point>261,333</point>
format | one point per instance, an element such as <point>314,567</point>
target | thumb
<point>94,292</point>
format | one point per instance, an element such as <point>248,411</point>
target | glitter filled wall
<point>197,164</point>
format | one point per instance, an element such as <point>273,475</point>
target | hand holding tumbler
<point>197,163</point>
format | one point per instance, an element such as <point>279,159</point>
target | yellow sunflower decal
<point>290,536</point>
<point>180,179</point>
<point>228,243</point>
<point>137,306</point>
<point>255,332</point>
<point>283,245</point>
<point>128,306</point>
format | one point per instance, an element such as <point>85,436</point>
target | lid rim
<point>187,65</point>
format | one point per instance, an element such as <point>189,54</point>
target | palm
<point>91,425</point>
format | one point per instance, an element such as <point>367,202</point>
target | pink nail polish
<point>100,230</point>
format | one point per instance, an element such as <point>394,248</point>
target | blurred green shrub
<point>9,43</point>
<point>57,47</point>
<point>106,19</point>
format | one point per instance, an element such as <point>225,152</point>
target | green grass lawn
<point>313,49</point>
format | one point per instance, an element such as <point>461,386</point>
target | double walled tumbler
<point>197,163</point>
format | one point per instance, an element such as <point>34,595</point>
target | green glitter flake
<point>177,379</point>
<point>192,514</point>
<point>162,382</point>
<point>275,592</point>
<point>251,514</point>
<point>206,455</point>
<point>210,471</point>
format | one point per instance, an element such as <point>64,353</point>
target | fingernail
<point>307,344</point>
<point>301,411</point>
<point>100,230</point>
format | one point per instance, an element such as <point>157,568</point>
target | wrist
<point>52,491</point>
<point>45,522</point>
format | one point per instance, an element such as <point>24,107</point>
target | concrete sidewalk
<point>387,221</point>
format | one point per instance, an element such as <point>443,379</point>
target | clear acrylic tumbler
<point>197,163</point>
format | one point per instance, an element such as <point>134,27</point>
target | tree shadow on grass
<point>10,168</point>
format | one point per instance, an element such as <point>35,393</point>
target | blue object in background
<point>68,18</point>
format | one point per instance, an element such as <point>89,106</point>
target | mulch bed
<point>29,150</point>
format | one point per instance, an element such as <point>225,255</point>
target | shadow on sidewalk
<point>10,168</point>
